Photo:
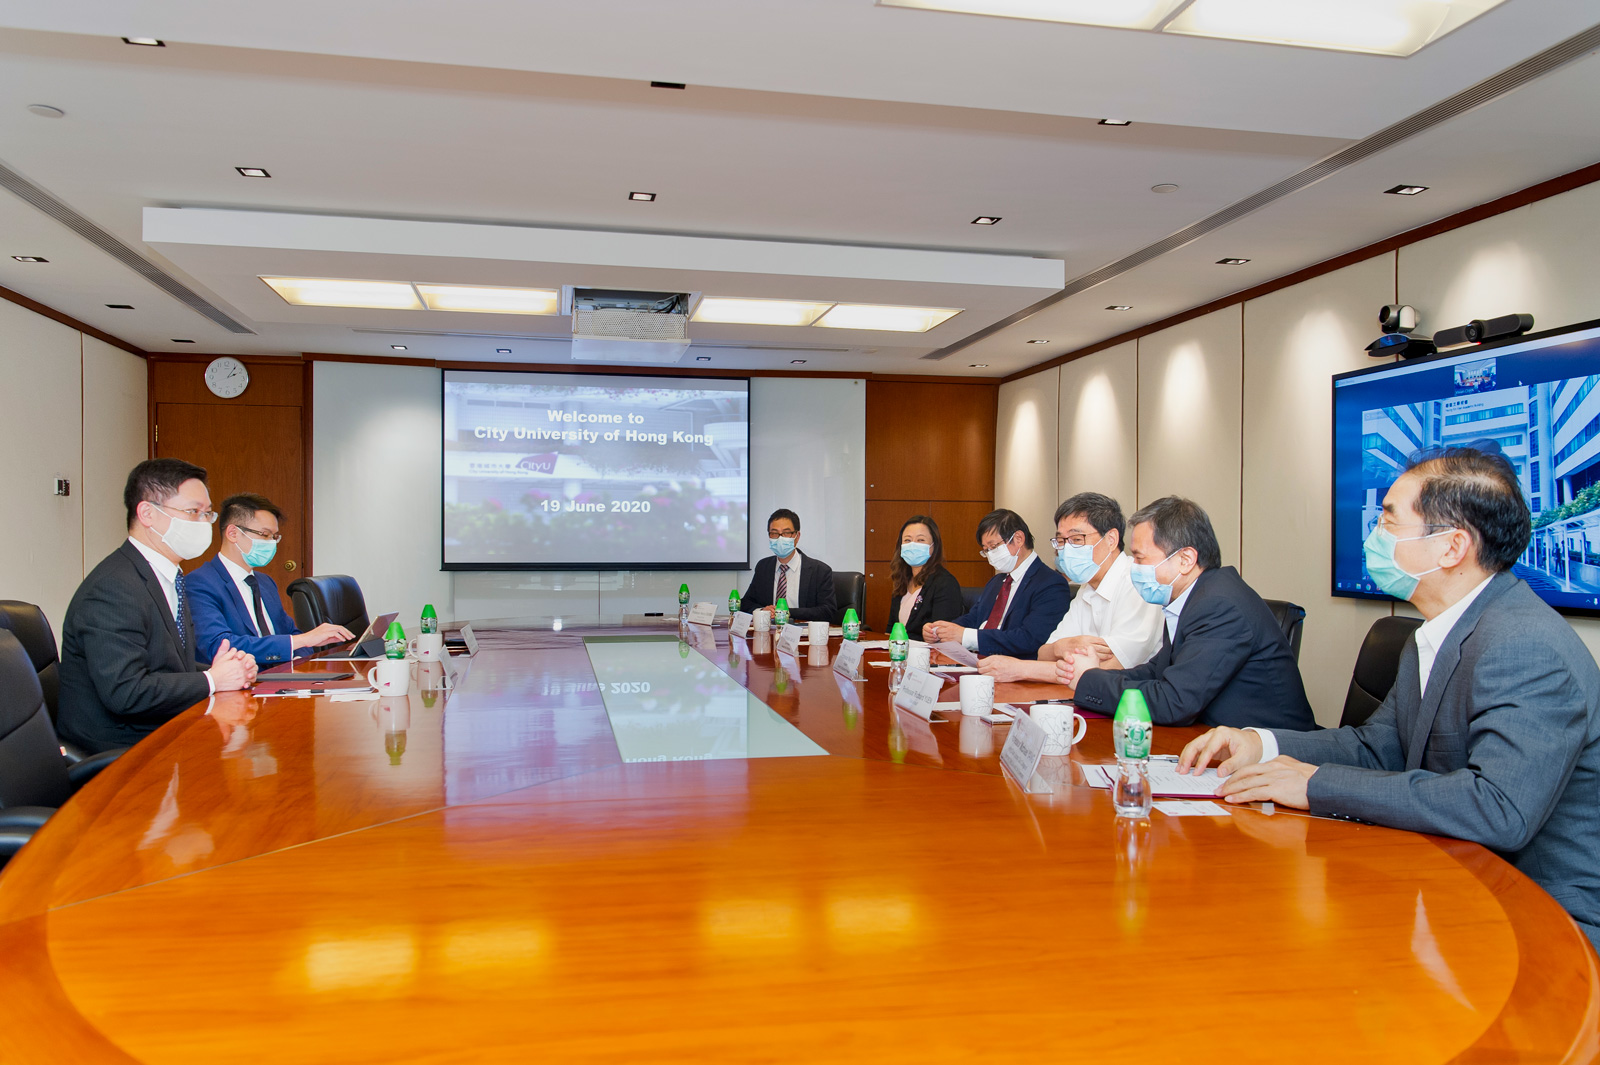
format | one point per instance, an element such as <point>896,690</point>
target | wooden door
<point>253,443</point>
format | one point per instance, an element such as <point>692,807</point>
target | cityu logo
<point>538,463</point>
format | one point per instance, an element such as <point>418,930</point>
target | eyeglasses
<point>191,513</point>
<point>1075,540</point>
<point>1390,526</point>
<point>256,534</point>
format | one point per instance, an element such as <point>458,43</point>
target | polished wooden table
<point>476,875</point>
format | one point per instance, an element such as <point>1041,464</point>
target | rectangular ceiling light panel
<point>757,312</point>
<point>485,299</point>
<point>875,316</point>
<point>1124,14</point>
<point>343,292</point>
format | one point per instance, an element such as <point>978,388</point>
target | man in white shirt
<point>1107,615</point>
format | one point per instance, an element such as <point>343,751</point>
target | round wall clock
<point>227,377</point>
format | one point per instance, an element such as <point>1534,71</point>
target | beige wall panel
<point>1025,453</point>
<point>1099,445</point>
<point>115,439</point>
<point>1295,340</point>
<point>1189,396</point>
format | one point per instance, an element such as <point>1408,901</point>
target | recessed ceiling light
<point>502,351</point>
<point>148,42</point>
<point>45,111</point>
<point>986,220</point>
<point>30,258</point>
<point>797,362</point>
<point>894,319</point>
<point>668,85</point>
<point>702,358</point>
<point>176,340</point>
<point>1406,190</point>
<point>642,197</point>
<point>120,306</point>
<point>345,292</point>
<point>398,347</point>
<point>977,365</point>
<point>1038,341</point>
<point>1164,188</point>
<point>251,171</point>
<point>758,312</point>
<point>1115,122</point>
<point>1232,262</point>
<point>1120,307</point>
<point>485,299</point>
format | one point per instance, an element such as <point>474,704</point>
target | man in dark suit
<point>234,603</point>
<point>1491,732</point>
<point>788,573</point>
<point>1022,603</point>
<point>1224,659</point>
<point>128,644</point>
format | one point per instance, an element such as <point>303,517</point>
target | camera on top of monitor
<point>1480,329</point>
<point>1397,321</point>
<point>1397,318</point>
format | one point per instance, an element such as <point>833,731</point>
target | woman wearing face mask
<point>924,590</point>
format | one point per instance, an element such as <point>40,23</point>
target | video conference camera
<point>1480,329</point>
<point>1397,321</point>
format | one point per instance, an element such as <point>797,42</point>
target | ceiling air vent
<point>616,325</point>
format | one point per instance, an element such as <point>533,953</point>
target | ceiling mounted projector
<point>618,325</point>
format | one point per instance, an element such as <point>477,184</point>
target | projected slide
<point>551,471</point>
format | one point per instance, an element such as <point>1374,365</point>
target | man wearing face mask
<point>1224,659</point>
<point>788,573</point>
<point>234,603</point>
<point>1108,615</point>
<point>1491,732</point>
<point>1019,606</point>
<point>128,644</point>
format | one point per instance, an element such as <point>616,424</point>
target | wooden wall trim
<point>647,371</point>
<point>67,320</point>
<point>1521,198</point>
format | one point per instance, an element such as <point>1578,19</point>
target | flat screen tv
<point>1532,398</point>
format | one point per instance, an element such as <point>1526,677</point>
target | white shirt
<point>239,573</point>
<point>1174,610</point>
<point>167,573</point>
<point>969,637</point>
<point>1430,635</point>
<point>792,592</point>
<point>1116,613</point>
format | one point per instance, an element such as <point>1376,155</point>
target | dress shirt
<point>1116,613</point>
<point>239,573</point>
<point>1430,634</point>
<point>969,637</point>
<point>167,573</point>
<point>791,593</point>
<point>1173,611</point>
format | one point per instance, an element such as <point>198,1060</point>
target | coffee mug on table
<point>763,621</point>
<point>977,694</point>
<point>391,676</point>
<point>817,633</point>
<point>1063,726</point>
<point>427,646</point>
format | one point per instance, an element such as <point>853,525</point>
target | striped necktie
<point>783,581</point>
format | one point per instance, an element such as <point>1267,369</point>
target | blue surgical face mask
<point>1077,561</point>
<point>1384,570</point>
<point>260,553</point>
<point>915,554</point>
<point>782,546</point>
<point>1149,587</point>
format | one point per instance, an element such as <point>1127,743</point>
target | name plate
<point>741,623</point>
<point>1024,747</point>
<point>919,693</point>
<point>702,613</point>
<point>848,661</point>
<point>789,638</point>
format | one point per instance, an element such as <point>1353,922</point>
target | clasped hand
<point>231,669</point>
<point>1245,777</point>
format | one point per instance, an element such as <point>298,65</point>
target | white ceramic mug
<point>391,676</point>
<point>977,694</point>
<point>1063,726</point>
<point>917,657</point>
<point>427,646</point>
<point>763,621</point>
<point>817,633</point>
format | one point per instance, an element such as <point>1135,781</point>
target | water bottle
<point>851,624</point>
<point>780,613</point>
<point>394,641</point>
<point>1130,730</point>
<point>899,648</point>
<point>683,604</point>
<point>733,602</point>
<point>430,620</point>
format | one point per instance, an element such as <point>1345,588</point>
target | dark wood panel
<point>958,527</point>
<point>884,518</point>
<point>273,382</point>
<point>879,589</point>
<point>927,441</point>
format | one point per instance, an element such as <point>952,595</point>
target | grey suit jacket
<point>1503,749</point>
<point>124,671</point>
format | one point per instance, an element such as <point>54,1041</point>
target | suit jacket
<point>124,671</point>
<point>812,601</point>
<point>940,601</point>
<point>1229,663</point>
<point>1038,603</point>
<point>220,612</point>
<point>1503,749</point>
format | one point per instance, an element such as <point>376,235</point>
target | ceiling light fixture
<point>344,292</point>
<point>120,306</point>
<point>668,85</point>
<point>502,351</point>
<point>893,319</point>
<point>30,258</point>
<point>486,299</point>
<point>1164,188</point>
<point>147,42</point>
<point>1232,262</point>
<point>1406,190</point>
<point>251,171</point>
<point>398,347</point>
<point>1120,307</point>
<point>734,311</point>
<point>986,220</point>
<point>702,358</point>
<point>797,362</point>
<point>977,365</point>
<point>45,111</point>
<point>1038,341</point>
<point>176,340</point>
<point>642,197</point>
<point>1115,122</point>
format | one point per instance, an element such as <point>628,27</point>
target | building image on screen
<point>1532,400</point>
<point>580,471</point>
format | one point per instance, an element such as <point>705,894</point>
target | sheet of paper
<point>1185,808</point>
<point>951,671</point>
<point>702,613</point>
<point>353,696</point>
<point>1098,776</point>
<point>956,653</point>
<point>1164,779</point>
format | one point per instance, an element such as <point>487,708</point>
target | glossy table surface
<point>774,866</point>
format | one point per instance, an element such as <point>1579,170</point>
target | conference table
<point>610,844</point>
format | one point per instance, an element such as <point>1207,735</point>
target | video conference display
<point>576,471</point>
<point>1533,399</point>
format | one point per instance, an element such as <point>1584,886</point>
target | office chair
<point>32,629</point>
<point>34,779</point>
<point>849,592</point>
<point>970,597</point>
<point>1290,619</point>
<point>1376,666</point>
<point>334,597</point>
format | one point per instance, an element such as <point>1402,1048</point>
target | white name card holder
<point>741,624</point>
<point>789,639</point>
<point>919,693</point>
<point>470,638</point>
<point>1020,756</point>
<point>848,661</point>
<point>702,613</point>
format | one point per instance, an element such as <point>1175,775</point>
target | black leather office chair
<point>334,597</point>
<point>1291,619</point>
<point>32,629</point>
<point>1376,666</point>
<point>970,597</point>
<point>34,779</point>
<point>849,591</point>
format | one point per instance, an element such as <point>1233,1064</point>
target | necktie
<point>783,581</point>
<point>998,611</point>
<point>262,628</point>
<point>181,616</point>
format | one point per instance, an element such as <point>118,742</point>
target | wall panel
<point>114,441</point>
<point>1027,449</point>
<point>1098,449</point>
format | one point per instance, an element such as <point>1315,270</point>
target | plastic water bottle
<point>683,604</point>
<point>733,602</point>
<point>899,648</point>
<point>394,641</point>
<point>780,613</point>
<point>430,619</point>
<point>851,624</point>
<point>1130,730</point>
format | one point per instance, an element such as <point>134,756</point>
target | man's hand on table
<point>941,632</point>
<point>1007,670</point>
<point>1246,778</point>
<point>1075,665</point>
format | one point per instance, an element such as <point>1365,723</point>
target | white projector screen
<point>581,471</point>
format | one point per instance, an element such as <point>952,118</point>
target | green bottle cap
<point>850,615</point>
<point>1132,705</point>
<point>428,611</point>
<point>781,604</point>
<point>898,632</point>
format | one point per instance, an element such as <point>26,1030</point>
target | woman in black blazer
<point>935,593</point>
